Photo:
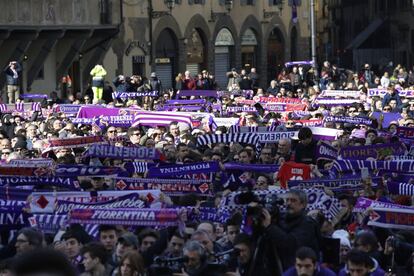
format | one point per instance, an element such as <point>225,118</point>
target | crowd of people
<point>310,176</point>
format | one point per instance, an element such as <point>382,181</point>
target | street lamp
<point>170,4</point>
<point>229,5</point>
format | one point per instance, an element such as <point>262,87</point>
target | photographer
<point>396,253</point>
<point>293,230</point>
<point>13,73</point>
<point>196,261</point>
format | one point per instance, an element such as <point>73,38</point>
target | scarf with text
<point>114,152</point>
<point>349,120</point>
<point>326,151</point>
<point>163,171</point>
<point>128,95</point>
<point>128,217</point>
<point>337,185</point>
<point>340,93</point>
<point>295,63</point>
<point>341,166</point>
<point>378,151</point>
<point>62,182</point>
<point>374,92</point>
<point>76,142</point>
<point>172,187</point>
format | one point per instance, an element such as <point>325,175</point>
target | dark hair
<point>71,234</point>
<point>105,227</point>
<point>243,239</point>
<point>43,261</point>
<point>34,236</point>
<point>148,232</point>
<point>95,250</point>
<point>304,133</point>
<point>359,258</point>
<point>306,253</point>
<point>367,238</point>
<point>303,198</point>
<point>132,130</point>
<point>234,220</point>
<point>136,262</point>
<point>371,131</point>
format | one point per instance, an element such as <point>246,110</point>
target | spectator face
<point>183,151</point>
<point>343,252</point>
<point>112,133</point>
<point>108,239</point>
<point>22,244</point>
<point>57,125</point>
<point>266,156</point>
<point>261,183</point>
<point>393,104</point>
<point>194,260</point>
<point>87,100</point>
<point>305,267</point>
<point>283,147</point>
<point>89,263</point>
<point>31,131</point>
<point>232,231</point>
<point>122,248</point>
<point>73,247</point>
<point>176,246</point>
<point>293,204</point>
<point>147,242</point>
<point>135,137</point>
<point>208,228</point>
<point>357,269</point>
<point>245,254</point>
<point>205,241</point>
<point>126,268</point>
<point>5,154</point>
<point>175,130</point>
<point>5,144</point>
<point>244,158</point>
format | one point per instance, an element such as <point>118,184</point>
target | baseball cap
<point>129,239</point>
<point>153,75</point>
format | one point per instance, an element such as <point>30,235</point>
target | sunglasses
<point>6,152</point>
<point>387,109</point>
<point>112,131</point>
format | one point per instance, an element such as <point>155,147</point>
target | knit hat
<point>20,144</point>
<point>343,236</point>
<point>129,239</point>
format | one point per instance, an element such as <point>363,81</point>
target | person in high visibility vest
<point>98,74</point>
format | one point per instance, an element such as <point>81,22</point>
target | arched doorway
<point>293,44</point>
<point>196,52</point>
<point>166,58</point>
<point>249,49</point>
<point>275,54</point>
<point>224,49</point>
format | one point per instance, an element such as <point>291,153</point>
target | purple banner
<point>123,152</point>
<point>205,93</point>
<point>388,117</point>
<point>375,151</point>
<point>11,218</point>
<point>127,95</point>
<point>128,217</point>
<point>326,151</point>
<point>392,218</point>
<point>341,184</point>
<point>81,170</point>
<point>264,168</point>
<point>405,132</point>
<point>178,169</point>
<point>304,62</point>
<point>170,187</point>
<point>16,181</point>
<point>34,96</point>
<point>349,120</point>
<point>132,200</point>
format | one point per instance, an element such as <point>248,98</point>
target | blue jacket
<point>320,271</point>
<point>10,80</point>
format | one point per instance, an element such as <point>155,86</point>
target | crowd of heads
<point>118,250</point>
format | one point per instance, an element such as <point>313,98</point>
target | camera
<point>254,213</point>
<point>164,266</point>
<point>393,242</point>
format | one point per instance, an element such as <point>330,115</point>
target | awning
<point>362,36</point>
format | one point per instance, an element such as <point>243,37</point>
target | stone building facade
<point>214,35</point>
<point>56,38</point>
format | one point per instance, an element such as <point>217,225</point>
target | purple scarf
<point>77,142</point>
<point>294,63</point>
<point>349,120</point>
<point>326,151</point>
<point>263,168</point>
<point>127,217</point>
<point>178,169</point>
<point>376,151</point>
<point>81,170</point>
<point>123,152</point>
<point>342,184</point>
<point>16,181</point>
<point>127,201</point>
<point>127,95</point>
<point>172,187</point>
